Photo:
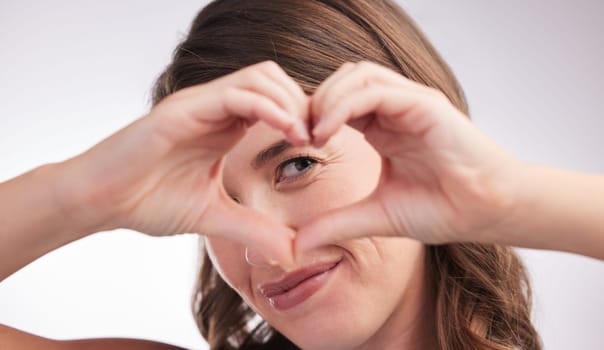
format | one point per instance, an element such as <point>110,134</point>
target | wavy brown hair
<point>483,296</point>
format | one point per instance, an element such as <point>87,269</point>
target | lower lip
<point>301,292</point>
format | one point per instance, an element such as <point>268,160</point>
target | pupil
<point>302,164</point>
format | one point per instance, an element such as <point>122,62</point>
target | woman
<point>295,208</point>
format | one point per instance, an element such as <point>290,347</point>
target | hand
<point>162,175</point>
<point>442,179</point>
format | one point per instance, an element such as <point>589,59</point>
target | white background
<point>72,72</point>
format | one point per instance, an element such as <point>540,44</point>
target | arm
<point>32,219</point>
<point>11,338</point>
<point>555,209</point>
<point>151,177</point>
<point>443,180</point>
<point>14,339</point>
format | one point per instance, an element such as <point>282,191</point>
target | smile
<point>297,286</point>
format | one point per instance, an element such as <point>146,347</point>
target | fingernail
<point>288,265</point>
<point>289,262</point>
<point>298,253</point>
<point>302,131</point>
<point>299,259</point>
<point>288,268</point>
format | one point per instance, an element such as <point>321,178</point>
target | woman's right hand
<point>161,175</point>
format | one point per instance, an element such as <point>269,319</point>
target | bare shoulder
<point>15,339</point>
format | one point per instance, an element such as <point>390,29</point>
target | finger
<point>227,219</point>
<point>358,76</point>
<point>298,97</point>
<point>324,88</point>
<point>251,105</point>
<point>362,219</point>
<point>203,109</point>
<point>259,81</point>
<point>276,72</point>
<point>391,107</point>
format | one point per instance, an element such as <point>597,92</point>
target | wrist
<point>38,216</point>
<point>70,197</point>
<point>507,203</point>
<point>525,214</point>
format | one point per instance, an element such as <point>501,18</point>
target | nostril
<point>233,197</point>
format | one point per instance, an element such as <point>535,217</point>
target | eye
<point>294,168</point>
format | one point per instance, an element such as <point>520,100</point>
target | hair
<point>483,295</point>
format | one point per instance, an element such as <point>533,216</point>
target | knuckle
<point>258,107</point>
<point>227,97</point>
<point>366,65</point>
<point>347,65</point>
<point>251,75</point>
<point>229,93</point>
<point>439,95</point>
<point>270,66</point>
<point>371,82</point>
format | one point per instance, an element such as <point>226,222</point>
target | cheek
<point>352,177</point>
<point>228,259</point>
<point>402,258</point>
<point>388,276</point>
<point>385,264</point>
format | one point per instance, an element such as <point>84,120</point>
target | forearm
<point>556,210</point>
<point>11,338</point>
<point>14,339</point>
<point>33,219</point>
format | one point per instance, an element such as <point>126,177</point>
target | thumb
<point>250,228</point>
<point>362,219</point>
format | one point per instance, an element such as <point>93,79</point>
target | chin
<point>329,338</point>
<point>336,324</point>
<point>339,314</point>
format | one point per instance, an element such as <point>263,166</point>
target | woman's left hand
<point>442,179</point>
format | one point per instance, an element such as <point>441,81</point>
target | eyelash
<point>278,173</point>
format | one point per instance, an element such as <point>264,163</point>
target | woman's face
<point>345,295</point>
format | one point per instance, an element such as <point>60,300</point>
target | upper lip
<point>294,278</point>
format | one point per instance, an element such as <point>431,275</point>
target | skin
<point>442,180</point>
<point>15,339</point>
<point>377,296</point>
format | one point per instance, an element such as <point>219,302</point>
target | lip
<point>297,286</point>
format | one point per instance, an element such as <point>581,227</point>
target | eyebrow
<point>272,151</point>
